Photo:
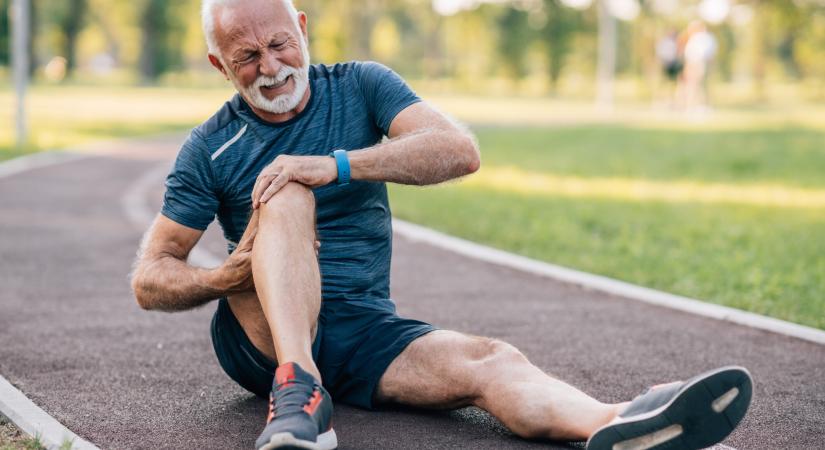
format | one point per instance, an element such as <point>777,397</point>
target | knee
<point>293,198</point>
<point>488,359</point>
<point>492,353</point>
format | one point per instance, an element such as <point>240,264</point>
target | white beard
<point>285,102</point>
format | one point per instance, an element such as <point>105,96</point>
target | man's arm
<point>162,280</point>
<point>425,147</point>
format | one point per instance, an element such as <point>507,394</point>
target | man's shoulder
<point>222,127</point>
<point>346,69</point>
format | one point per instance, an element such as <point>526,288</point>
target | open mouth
<point>277,85</point>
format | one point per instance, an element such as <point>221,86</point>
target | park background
<point>725,203</point>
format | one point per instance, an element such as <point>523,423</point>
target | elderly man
<point>294,168</point>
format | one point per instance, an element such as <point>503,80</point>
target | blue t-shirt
<point>351,106</point>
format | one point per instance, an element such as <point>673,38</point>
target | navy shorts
<point>355,343</point>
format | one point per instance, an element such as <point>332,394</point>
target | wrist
<point>215,280</point>
<point>342,165</point>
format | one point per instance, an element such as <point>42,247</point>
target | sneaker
<point>688,415</point>
<point>300,413</point>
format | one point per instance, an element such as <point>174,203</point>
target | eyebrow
<point>244,50</point>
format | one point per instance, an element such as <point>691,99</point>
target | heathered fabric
<point>351,106</point>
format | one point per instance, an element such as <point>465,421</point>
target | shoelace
<point>289,400</point>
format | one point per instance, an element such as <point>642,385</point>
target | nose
<point>270,65</point>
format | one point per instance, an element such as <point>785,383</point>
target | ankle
<point>616,409</point>
<point>308,365</point>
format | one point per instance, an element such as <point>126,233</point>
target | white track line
<point>14,405</point>
<point>33,421</point>
<point>34,160</point>
<point>604,284</point>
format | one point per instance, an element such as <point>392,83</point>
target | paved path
<point>73,339</point>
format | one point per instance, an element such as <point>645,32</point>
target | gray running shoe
<point>689,415</point>
<point>300,413</point>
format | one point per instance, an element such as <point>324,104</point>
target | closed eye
<point>247,57</point>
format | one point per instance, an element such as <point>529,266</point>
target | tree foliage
<point>517,39</point>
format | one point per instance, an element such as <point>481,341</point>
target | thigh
<point>442,369</point>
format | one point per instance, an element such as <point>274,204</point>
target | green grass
<point>11,438</point>
<point>735,251</point>
<point>788,156</point>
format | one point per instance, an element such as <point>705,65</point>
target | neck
<point>282,117</point>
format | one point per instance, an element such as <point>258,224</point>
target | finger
<point>255,193</point>
<point>279,182</point>
<point>261,184</point>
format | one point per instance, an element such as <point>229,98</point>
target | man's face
<point>264,53</point>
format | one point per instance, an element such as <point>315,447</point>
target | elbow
<point>473,155</point>
<point>142,297</point>
<point>474,164</point>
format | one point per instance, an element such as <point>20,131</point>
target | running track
<point>74,341</point>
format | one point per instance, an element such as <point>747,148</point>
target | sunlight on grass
<point>759,259</point>
<point>62,117</point>
<point>518,181</point>
<point>543,111</point>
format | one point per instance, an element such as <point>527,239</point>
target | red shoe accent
<point>313,403</point>
<point>271,414</point>
<point>284,374</point>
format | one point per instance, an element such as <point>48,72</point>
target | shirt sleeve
<point>190,197</point>
<point>385,93</point>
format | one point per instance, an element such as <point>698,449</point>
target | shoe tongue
<point>289,373</point>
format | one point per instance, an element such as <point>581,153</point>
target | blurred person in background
<point>670,57</point>
<point>298,156</point>
<point>699,50</point>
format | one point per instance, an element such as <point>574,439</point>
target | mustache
<point>282,75</point>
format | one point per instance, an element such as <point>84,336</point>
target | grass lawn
<point>734,216</point>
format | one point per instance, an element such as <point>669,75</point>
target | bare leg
<point>446,369</point>
<point>287,279</point>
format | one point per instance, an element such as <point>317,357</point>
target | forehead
<point>252,22</point>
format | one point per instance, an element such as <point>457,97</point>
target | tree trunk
<point>72,25</point>
<point>151,23</point>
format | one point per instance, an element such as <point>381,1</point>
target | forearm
<point>167,283</point>
<point>427,156</point>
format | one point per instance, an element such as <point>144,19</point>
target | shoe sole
<point>286,441</point>
<point>702,414</point>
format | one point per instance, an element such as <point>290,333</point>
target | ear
<point>302,22</point>
<point>216,63</point>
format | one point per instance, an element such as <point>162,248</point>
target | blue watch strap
<point>342,161</point>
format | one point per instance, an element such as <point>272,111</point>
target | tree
<point>557,33</point>
<point>72,23</point>
<point>5,33</point>
<point>513,41</point>
<point>161,41</point>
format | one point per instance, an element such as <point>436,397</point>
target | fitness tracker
<point>342,161</point>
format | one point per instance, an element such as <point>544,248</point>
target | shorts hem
<point>384,364</point>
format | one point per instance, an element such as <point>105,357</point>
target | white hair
<point>208,19</point>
